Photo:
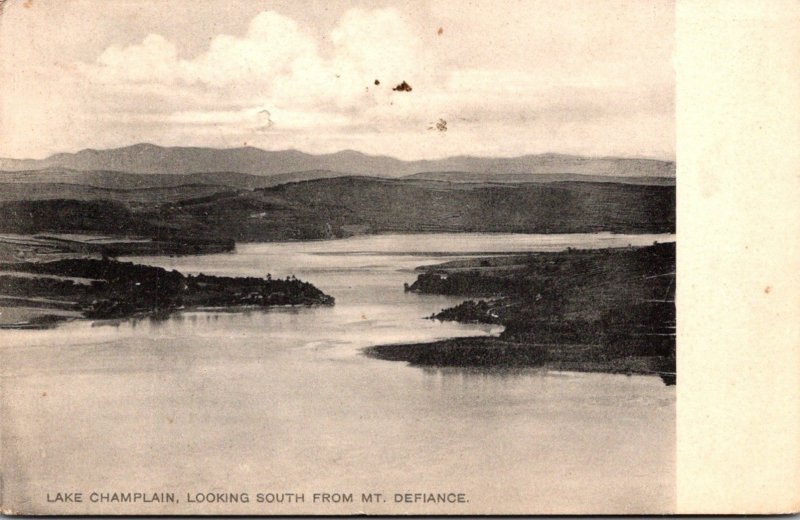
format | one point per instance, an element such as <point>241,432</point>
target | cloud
<point>268,49</point>
<point>275,61</point>
<point>277,84</point>
<point>154,60</point>
<point>271,80</point>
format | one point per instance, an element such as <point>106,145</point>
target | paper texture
<point>737,257</point>
<point>401,257</point>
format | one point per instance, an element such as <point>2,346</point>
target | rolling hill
<point>514,178</point>
<point>336,207</point>
<point>125,181</point>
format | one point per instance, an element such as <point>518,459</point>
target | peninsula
<point>603,310</point>
<point>99,289</point>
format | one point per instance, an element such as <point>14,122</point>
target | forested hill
<point>336,207</point>
<point>558,207</point>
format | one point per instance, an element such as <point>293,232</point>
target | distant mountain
<point>152,159</point>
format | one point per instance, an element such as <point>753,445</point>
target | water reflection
<point>468,373</point>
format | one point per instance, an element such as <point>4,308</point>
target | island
<point>106,288</point>
<point>604,310</point>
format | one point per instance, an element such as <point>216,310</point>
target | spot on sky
<point>402,87</point>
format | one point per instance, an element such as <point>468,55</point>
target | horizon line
<point>343,150</point>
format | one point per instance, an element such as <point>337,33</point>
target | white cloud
<point>377,44</point>
<point>154,59</point>
<point>268,49</point>
<point>272,43</point>
<point>276,62</point>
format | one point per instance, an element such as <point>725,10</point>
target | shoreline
<point>468,353</point>
<point>45,320</point>
<point>49,246</point>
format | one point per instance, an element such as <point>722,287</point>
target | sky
<point>492,78</point>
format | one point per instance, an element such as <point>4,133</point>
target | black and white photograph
<point>338,257</point>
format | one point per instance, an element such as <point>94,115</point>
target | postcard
<point>384,257</point>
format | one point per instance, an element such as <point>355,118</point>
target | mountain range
<point>147,158</point>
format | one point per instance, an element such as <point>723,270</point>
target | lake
<point>283,400</point>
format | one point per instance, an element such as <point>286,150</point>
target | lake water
<point>283,401</point>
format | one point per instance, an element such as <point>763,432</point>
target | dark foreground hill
<point>339,207</point>
<point>358,205</point>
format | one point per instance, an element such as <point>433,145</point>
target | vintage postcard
<point>339,257</point>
